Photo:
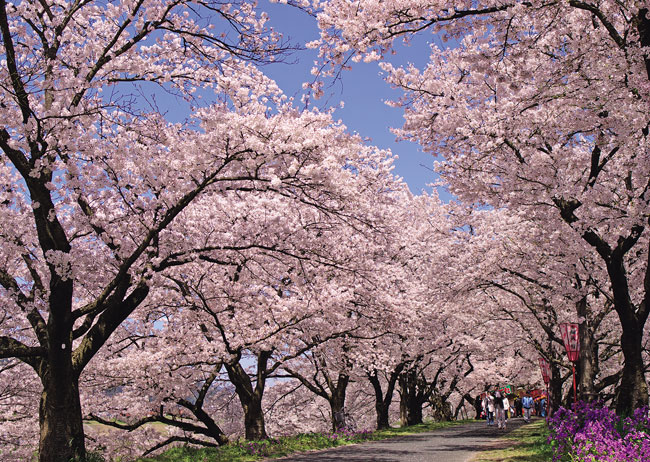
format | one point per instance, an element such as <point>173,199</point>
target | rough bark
<point>254,420</point>
<point>588,361</point>
<point>251,397</point>
<point>383,401</point>
<point>440,408</point>
<point>337,402</point>
<point>632,392</point>
<point>587,366</point>
<point>60,418</point>
<point>410,406</point>
<point>555,388</point>
<point>62,434</point>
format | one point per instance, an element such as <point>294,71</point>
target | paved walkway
<point>454,444</point>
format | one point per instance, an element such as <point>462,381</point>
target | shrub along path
<point>453,444</point>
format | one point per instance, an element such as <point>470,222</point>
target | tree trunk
<point>410,412</point>
<point>251,397</point>
<point>254,420</point>
<point>60,419</point>
<point>382,403</point>
<point>381,407</point>
<point>337,402</point>
<point>410,405</point>
<point>555,389</point>
<point>440,408</point>
<point>382,415</point>
<point>478,406</point>
<point>588,364</point>
<point>632,392</point>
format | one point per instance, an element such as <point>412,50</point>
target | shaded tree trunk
<point>337,402</point>
<point>410,406</point>
<point>477,404</point>
<point>60,419</point>
<point>440,408</point>
<point>383,402</point>
<point>587,368</point>
<point>555,388</point>
<point>254,420</point>
<point>632,392</point>
<point>251,397</point>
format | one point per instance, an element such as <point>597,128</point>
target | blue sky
<point>362,90</point>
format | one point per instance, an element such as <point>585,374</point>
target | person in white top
<point>500,410</point>
<point>488,405</point>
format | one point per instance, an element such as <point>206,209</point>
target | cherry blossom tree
<point>241,331</point>
<point>545,285</point>
<point>102,195</point>
<point>538,107</point>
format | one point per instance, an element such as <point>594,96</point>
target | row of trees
<point>153,270</point>
<point>540,108</point>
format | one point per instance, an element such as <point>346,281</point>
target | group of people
<point>497,407</point>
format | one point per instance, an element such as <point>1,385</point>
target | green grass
<point>280,447</point>
<point>525,444</point>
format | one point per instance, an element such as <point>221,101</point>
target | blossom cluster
<point>591,432</point>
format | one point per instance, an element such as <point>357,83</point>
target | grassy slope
<point>525,444</point>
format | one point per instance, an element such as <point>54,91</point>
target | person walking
<point>518,408</point>
<point>499,409</point>
<point>527,403</point>
<point>489,408</point>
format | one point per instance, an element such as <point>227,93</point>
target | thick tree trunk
<point>381,406</point>
<point>337,403</point>
<point>382,403</point>
<point>251,397</point>
<point>588,365</point>
<point>254,420</point>
<point>382,411</point>
<point>410,412</point>
<point>60,419</point>
<point>632,392</point>
<point>410,405</point>
<point>440,408</point>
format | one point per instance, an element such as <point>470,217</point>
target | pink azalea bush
<point>591,432</point>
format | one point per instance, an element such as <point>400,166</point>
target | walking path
<point>454,444</point>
